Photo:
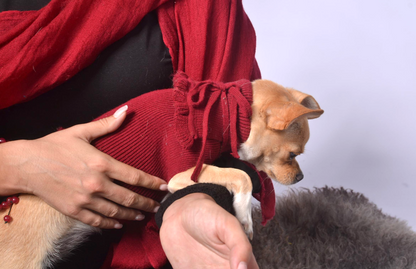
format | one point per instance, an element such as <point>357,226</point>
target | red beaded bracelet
<point>10,201</point>
<point>8,204</point>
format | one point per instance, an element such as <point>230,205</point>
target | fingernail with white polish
<point>120,111</point>
<point>118,226</point>
<point>242,265</point>
<point>156,209</point>
<point>139,217</point>
<point>163,187</point>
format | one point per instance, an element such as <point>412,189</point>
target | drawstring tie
<point>201,97</point>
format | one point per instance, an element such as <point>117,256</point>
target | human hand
<point>198,233</point>
<point>74,177</point>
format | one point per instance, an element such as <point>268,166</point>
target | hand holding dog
<point>198,233</point>
<point>74,177</point>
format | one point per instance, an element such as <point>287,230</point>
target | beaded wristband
<point>8,204</point>
<point>219,193</point>
<point>9,201</point>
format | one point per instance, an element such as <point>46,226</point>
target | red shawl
<point>41,49</point>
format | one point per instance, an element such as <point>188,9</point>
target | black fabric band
<point>219,193</point>
<point>22,5</point>
<point>226,160</point>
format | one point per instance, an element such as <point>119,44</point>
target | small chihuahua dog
<point>279,132</point>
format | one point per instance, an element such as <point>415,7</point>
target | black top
<point>22,5</point>
<point>138,63</point>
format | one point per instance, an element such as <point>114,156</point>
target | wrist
<point>185,201</point>
<point>11,153</point>
<point>213,192</point>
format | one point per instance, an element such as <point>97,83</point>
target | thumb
<point>242,257</point>
<point>92,130</point>
<point>241,252</point>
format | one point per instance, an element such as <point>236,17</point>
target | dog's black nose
<point>299,177</point>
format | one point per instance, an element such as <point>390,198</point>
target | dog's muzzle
<point>299,177</point>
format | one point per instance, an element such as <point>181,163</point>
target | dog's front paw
<point>242,207</point>
<point>248,228</point>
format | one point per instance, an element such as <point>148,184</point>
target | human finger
<point>252,263</point>
<point>96,220</point>
<point>237,242</point>
<point>111,210</point>
<point>242,257</point>
<point>132,176</point>
<point>95,129</point>
<point>129,199</point>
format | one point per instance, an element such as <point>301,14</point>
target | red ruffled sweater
<point>207,39</point>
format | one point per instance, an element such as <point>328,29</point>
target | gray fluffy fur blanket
<point>332,228</point>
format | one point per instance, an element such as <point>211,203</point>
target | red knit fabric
<point>208,39</point>
<point>169,131</point>
<point>42,49</point>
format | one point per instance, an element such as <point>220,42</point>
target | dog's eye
<point>292,155</point>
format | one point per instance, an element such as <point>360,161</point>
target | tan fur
<point>240,182</point>
<point>279,126</point>
<point>26,241</point>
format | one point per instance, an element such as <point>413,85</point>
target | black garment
<point>138,63</point>
<point>22,5</point>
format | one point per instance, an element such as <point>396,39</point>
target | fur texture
<point>332,228</point>
<point>43,225</point>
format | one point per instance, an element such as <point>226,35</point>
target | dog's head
<point>279,130</point>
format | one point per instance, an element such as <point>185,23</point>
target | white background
<point>358,59</point>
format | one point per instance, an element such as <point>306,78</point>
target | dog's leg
<point>235,180</point>
<point>180,181</point>
<point>242,206</point>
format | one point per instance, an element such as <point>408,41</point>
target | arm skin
<point>74,177</point>
<point>197,233</point>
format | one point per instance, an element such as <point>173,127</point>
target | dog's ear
<point>279,115</point>
<point>307,101</point>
